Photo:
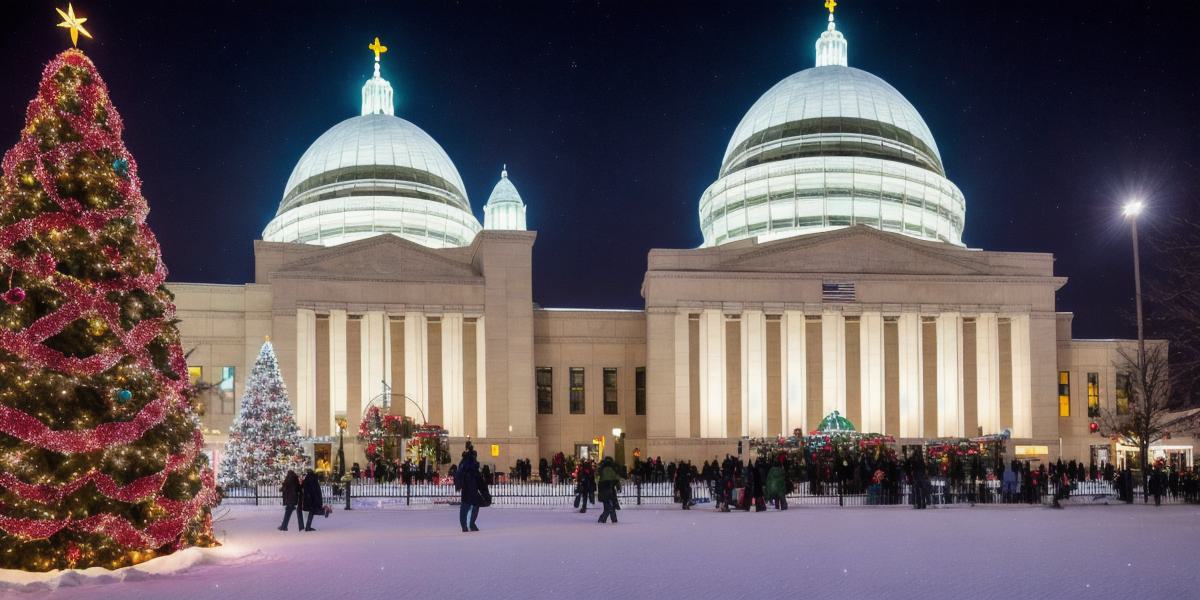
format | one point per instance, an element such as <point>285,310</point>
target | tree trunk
<point>1144,459</point>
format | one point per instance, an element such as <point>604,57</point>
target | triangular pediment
<point>383,257</point>
<point>858,249</point>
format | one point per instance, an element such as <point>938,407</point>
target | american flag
<point>837,291</point>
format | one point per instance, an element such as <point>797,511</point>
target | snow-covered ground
<point>1016,552</point>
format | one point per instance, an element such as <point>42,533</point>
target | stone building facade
<point>832,277</point>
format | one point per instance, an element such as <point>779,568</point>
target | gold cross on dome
<point>377,48</point>
<point>75,24</point>
<point>831,4</point>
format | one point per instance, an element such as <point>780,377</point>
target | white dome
<point>830,147</point>
<point>821,105</point>
<point>374,174</point>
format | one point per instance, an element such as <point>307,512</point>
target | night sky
<point>613,116</point>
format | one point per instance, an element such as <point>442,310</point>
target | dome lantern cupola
<point>377,92</point>
<point>504,208</point>
<point>831,46</point>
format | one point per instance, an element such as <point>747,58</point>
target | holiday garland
<point>102,463</point>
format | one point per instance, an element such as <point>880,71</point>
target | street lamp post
<point>341,457</point>
<point>1131,210</point>
<point>619,447</point>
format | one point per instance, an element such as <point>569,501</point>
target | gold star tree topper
<point>831,4</point>
<point>377,48</point>
<point>75,24</point>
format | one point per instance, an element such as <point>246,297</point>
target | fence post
<point>841,498</point>
<point>408,493</point>
<point>256,494</point>
<point>347,495</point>
<point>638,485</point>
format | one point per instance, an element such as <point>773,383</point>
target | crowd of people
<point>768,480</point>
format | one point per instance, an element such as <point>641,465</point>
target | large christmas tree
<point>100,448</point>
<point>265,441</point>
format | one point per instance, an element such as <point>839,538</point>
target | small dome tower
<point>504,208</point>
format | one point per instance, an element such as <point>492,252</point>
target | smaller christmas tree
<point>265,441</point>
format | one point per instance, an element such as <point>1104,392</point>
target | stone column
<point>712,374</point>
<point>480,379</point>
<point>371,356</point>
<point>337,366</point>
<point>833,362</point>
<point>950,374</point>
<point>911,376</point>
<point>452,373</point>
<point>683,400</point>
<point>870,330</point>
<point>794,372</point>
<point>1022,384</point>
<point>987,372</point>
<point>416,364</point>
<point>754,373</point>
<point>306,371</point>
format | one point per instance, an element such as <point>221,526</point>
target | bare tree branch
<point>1144,413</point>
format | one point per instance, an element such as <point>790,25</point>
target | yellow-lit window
<point>195,374</point>
<point>1064,393</point>
<point>1093,391</point>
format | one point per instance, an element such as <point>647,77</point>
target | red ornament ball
<point>14,296</point>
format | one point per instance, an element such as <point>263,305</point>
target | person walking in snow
<point>291,498</point>
<point>311,500</point>
<point>585,485</point>
<point>469,481</point>
<point>609,487</point>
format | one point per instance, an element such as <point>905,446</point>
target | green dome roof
<point>835,423</point>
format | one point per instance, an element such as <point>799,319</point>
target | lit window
<point>545,390</point>
<point>1093,392</point>
<point>577,398</point>
<point>610,391</point>
<point>1064,393</point>
<point>1123,393</point>
<point>225,390</point>
<point>639,391</point>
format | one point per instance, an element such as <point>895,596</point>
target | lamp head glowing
<point>616,432</point>
<point>1133,208</point>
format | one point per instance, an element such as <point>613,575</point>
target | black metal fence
<point>937,492</point>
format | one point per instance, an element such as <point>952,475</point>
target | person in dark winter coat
<point>470,482</point>
<point>311,500</point>
<point>609,487</point>
<point>683,485</point>
<point>585,485</point>
<point>291,498</point>
<point>1156,485</point>
<point>920,480</point>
